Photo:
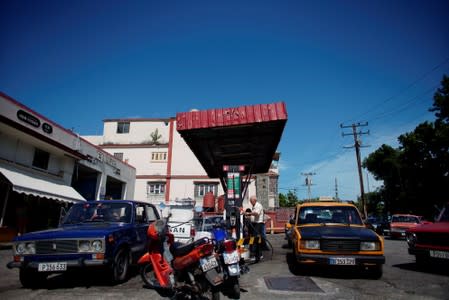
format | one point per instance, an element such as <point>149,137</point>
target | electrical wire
<point>373,108</point>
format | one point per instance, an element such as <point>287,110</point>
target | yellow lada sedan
<point>331,233</point>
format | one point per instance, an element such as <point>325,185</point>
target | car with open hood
<point>109,235</point>
<point>333,234</point>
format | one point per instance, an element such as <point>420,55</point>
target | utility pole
<point>336,189</point>
<point>367,182</point>
<point>308,183</point>
<point>357,145</point>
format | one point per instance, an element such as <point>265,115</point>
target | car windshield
<point>208,223</point>
<point>405,219</point>
<point>444,216</point>
<point>329,214</point>
<point>98,212</point>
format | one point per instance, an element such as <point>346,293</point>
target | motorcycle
<point>230,259</point>
<point>188,271</point>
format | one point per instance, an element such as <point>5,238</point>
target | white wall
<point>19,148</point>
<point>139,132</point>
<point>184,162</point>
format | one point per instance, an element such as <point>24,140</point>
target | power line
<point>373,108</point>
<point>405,105</point>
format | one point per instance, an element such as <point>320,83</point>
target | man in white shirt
<point>257,221</point>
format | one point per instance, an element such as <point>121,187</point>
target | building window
<point>123,127</point>
<point>202,188</point>
<point>41,159</point>
<point>118,155</point>
<point>156,188</point>
<point>159,156</point>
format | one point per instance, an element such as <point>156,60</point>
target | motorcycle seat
<point>184,249</point>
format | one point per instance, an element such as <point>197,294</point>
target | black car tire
<point>30,278</point>
<point>120,266</point>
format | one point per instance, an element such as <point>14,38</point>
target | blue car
<point>108,234</point>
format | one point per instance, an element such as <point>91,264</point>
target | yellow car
<point>332,233</point>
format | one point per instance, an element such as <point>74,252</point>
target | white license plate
<point>208,263</point>
<point>231,258</point>
<point>52,267</point>
<point>180,230</point>
<point>439,254</point>
<point>347,261</point>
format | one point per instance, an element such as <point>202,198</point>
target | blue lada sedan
<point>108,234</point>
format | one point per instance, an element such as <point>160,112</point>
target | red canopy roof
<point>245,135</point>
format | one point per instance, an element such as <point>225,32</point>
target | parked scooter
<point>230,259</point>
<point>189,271</point>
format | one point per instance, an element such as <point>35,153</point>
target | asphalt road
<point>270,279</point>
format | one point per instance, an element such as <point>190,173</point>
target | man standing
<point>257,221</point>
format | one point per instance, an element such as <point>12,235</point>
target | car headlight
<point>310,244</point>
<point>369,246</point>
<point>97,246</point>
<point>90,246</point>
<point>25,248</point>
<point>411,239</point>
<point>84,246</point>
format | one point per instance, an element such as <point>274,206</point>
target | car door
<point>145,214</point>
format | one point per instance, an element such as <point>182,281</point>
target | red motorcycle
<point>190,271</point>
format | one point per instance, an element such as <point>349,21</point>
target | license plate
<point>180,230</point>
<point>208,263</point>
<point>52,267</point>
<point>231,258</point>
<point>439,254</point>
<point>347,261</point>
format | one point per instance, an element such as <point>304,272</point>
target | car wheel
<point>120,266</point>
<point>294,265</point>
<point>30,278</point>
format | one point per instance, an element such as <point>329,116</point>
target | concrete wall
<point>22,130</point>
<point>185,167</point>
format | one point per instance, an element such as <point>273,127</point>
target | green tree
<point>289,200</point>
<point>282,200</point>
<point>292,198</point>
<point>416,175</point>
<point>384,164</point>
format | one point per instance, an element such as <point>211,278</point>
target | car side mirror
<point>369,225</point>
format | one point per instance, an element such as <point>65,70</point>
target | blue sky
<point>331,62</point>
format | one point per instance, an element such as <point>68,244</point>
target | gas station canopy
<point>245,135</point>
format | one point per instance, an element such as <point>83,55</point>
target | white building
<point>43,166</point>
<point>166,168</point>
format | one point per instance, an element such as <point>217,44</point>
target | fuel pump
<point>235,191</point>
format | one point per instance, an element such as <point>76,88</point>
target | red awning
<point>245,135</point>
